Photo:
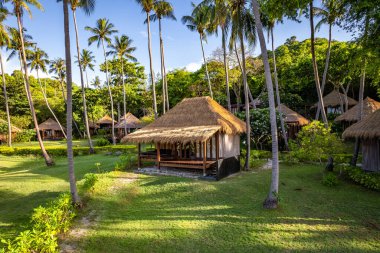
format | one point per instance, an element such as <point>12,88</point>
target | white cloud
<point>193,66</point>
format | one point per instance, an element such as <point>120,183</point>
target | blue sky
<point>182,47</point>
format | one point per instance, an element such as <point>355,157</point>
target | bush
<point>369,180</point>
<point>25,135</point>
<point>90,180</point>
<point>47,223</point>
<point>330,179</point>
<point>127,161</point>
<point>102,142</point>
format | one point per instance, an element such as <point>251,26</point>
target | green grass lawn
<point>61,143</point>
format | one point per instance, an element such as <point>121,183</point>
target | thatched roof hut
<point>13,127</point>
<point>130,121</point>
<point>369,106</point>
<point>368,130</point>
<point>105,120</point>
<point>292,116</point>
<point>51,130</point>
<point>50,124</point>
<point>336,99</point>
<point>193,119</point>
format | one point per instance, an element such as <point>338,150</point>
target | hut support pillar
<point>204,157</point>
<point>211,148</point>
<point>217,146</point>
<point>139,156</point>
<point>158,155</point>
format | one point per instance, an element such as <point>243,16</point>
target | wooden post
<point>217,145</point>
<point>204,157</point>
<point>211,148</point>
<point>139,156</point>
<point>158,155</point>
<point>180,151</point>
<point>195,150</point>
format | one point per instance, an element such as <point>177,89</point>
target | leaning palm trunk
<point>283,130</point>
<point>246,100</point>
<point>226,69</point>
<point>315,68</point>
<point>48,105</point>
<point>110,94</point>
<point>166,82</point>
<point>271,201</point>
<point>151,68</point>
<point>6,103</point>
<point>86,124</point>
<point>124,97</point>
<point>324,77</point>
<point>205,62</point>
<point>241,69</point>
<point>48,160</point>
<point>163,77</point>
<point>69,113</point>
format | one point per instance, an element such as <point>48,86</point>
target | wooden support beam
<point>195,149</point>
<point>158,154</point>
<point>204,157</point>
<point>217,145</point>
<point>139,156</point>
<point>211,148</point>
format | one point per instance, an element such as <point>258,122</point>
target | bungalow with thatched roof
<point>93,127</point>
<point>14,129</point>
<point>105,122</point>
<point>335,102</point>
<point>368,130</point>
<point>197,133</point>
<point>369,106</point>
<point>50,130</point>
<point>293,120</point>
<point>129,122</point>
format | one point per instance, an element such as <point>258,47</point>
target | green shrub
<point>330,179</point>
<point>25,135</point>
<point>127,161</point>
<point>47,223</point>
<point>102,142</point>
<point>369,180</point>
<point>90,180</point>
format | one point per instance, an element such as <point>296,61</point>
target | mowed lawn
<point>26,183</point>
<point>168,214</point>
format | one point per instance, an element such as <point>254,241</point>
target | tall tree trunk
<point>85,118</point>
<point>324,77</point>
<point>162,69</point>
<point>205,62</point>
<point>283,130</point>
<point>271,201</point>
<point>86,79</point>
<point>226,68</point>
<point>166,83</point>
<point>246,101</point>
<point>315,67</point>
<point>48,105</point>
<point>48,160</point>
<point>241,69</point>
<point>63,91</point>
<point>124,97</point>
<point>69,112</point>
<point>6,103</point>
<point>151,68</point>
<point>110,94</point>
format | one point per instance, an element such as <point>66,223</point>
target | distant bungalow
<point>14,130</point>
<point>197,133</point>
<point>105,122</point>
<point>50,130</point>
<point>368,130</point>
<point>334,102</point>
<point>93,127</point>
<point>130,122</point>
<point>293,120</point>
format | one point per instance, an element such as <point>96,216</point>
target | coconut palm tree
<point>272,200</point>
<point>58,67</point>
<point>243,29</point>
<point>38,59</point>
<point>87,61</point>
<point>315,66</point>
<point>330,12</point>
<point>5,42</point>
<point>88,6</point>
<point>147,6</point>
<point>122,48</point>
<point>19,7</point>
<point>96,82</point>
<point>163,9</point>
<point>199,21</point>
<point>69,112</point>
<point>101,33</point>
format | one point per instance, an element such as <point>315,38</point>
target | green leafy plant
<point>369,180</point>
<point>90,180</point>
<point>102,142</point>
<point>25,135</point>
<point>330,179</point>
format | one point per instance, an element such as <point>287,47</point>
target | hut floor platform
<point>166,171</point>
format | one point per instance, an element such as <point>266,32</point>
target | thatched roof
<point>49,124</point>
<point>367,128</point>
<point>292,116</point>
<point>13,127</point>
<point>193,119</point>
<point>105,120</point>
<point>130,120</point>
<point>92,124</point>
<point>334,99</point>
<point>369,106</point>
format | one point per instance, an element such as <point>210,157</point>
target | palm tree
<point>199,21</point>
<point>147,6</point>
<point>96,82</point>
<point>87,61</point>
<point>88,6</point>
<point>19,6</point>
<point>122,49</point>
<point>163,9</point>
<point>38,59</point>
<point>58,67</point>
<point>69,112</point>
<point>315,66</point>
<point>331,11</point>
<point>5,42</point>
<point>100,34</point>
<point>272,200</point>
<point>243,28</point>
